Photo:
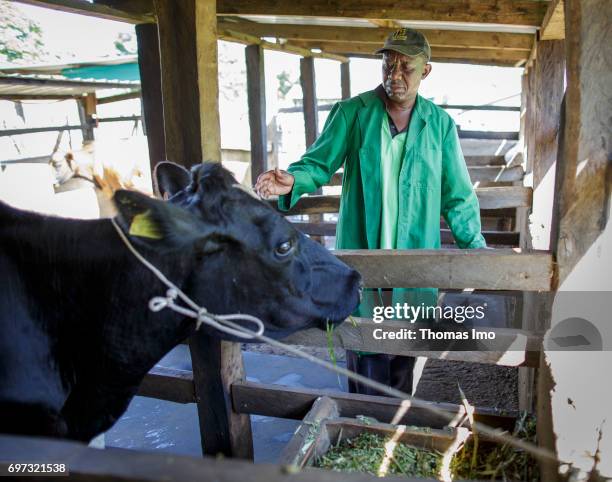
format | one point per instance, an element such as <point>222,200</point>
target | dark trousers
<point>392,370</point>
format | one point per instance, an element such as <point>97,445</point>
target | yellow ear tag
<point>143,226</point>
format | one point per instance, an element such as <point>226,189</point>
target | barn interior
<point>544,198</point>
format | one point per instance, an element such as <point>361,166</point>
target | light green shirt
<point>391,155</point>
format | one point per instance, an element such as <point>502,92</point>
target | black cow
<point>76,334</point>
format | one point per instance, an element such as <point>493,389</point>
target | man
<point>403,168</point>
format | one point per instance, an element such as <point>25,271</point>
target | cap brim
<point>404,50</point>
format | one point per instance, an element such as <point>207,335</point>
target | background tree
<point>21,39</point>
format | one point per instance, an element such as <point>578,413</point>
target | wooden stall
<point>560,176</point>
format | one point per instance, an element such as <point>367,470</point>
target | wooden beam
<point>294,403</point>
<point>18,97</point>
<point>256,90</point>
<point>169,384</point>
<point>78,84</point>
<point>87,464</point>
<point>553,25</point>
<point>447,54</point>
<point>510,347</point>
<point>477,174</point>
<point>92,10</point>
<point>484,161</point>
<point>216,366</point>
<point>489,198</point>
<point>120,97</point>
<point>87,110</point>
<point>376,36</point>
<point>521,12</point>
<point>151,84</point>
<point>239,37</point>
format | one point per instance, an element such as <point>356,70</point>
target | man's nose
<point>396,72</point>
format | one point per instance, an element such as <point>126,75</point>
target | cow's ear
<point>157,222</point>
<point>170,178</point>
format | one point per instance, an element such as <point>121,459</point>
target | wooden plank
<point>503,57</point>
<point>150,78</point>
<point>503,269</point>
<point>506,238</point>
<point>216,366</point>
<point>519,12</point>
<point>510,347</point>
<point>294,403</point>
<point>485,160</point>
<point>92,10</point>
<point>301,445</point>
<point>87,464</point>
<point>345,80</point>
<point>18,97</point>
<point>256,92</point>
<point>549,75</point>
<point>553,25</point>
<point>80,84</point>
<point>377,36</point>
<point>121,97</point>
<point>477,174</point>
<point>489,198</point>
<point>169,384</point>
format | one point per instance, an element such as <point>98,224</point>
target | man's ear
<point>170,178</point>
<point>157,222</point>
<point>426,71</point>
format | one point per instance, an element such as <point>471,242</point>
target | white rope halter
<point>201,315</point>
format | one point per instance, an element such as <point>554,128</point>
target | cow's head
<point>243,257</point>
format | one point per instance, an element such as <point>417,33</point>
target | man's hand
<point>274,183</point>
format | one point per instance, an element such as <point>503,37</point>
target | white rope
<point>201,315</point>
<point>225,324</point>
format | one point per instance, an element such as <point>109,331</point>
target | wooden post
<point>188,51</point>
<point>87,109</point>
<point>580,241</point>
<point>256,89</point>
<point>151,93</point>
<point>345,79</point>
<point>216,365</point>
<point>309,92</point>
<point>311,116</point>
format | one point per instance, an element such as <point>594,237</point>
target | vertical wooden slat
<point>345,79</point>
<point>216,365</point>
<point>309,91</point>
<point>256,89</point>
<point>208,79</point>
<point>311,116</point>
<point>151,91</point>
<point>87,108</point>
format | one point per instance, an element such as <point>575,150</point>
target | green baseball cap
<point>408,42</point>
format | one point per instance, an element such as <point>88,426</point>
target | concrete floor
<point>157,425</point>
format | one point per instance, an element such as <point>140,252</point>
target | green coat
<point>433,179</point>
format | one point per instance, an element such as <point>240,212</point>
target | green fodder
<point>367,453</point>
<point>496,461</point>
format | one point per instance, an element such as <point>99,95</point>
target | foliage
<point>285,83</point>
<point>20,38</point>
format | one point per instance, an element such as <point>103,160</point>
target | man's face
<point>402,75</point>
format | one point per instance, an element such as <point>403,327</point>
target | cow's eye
<point>284,249</point>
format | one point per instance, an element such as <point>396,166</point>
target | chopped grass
<point>495,461</point>
<point>366,453</point>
